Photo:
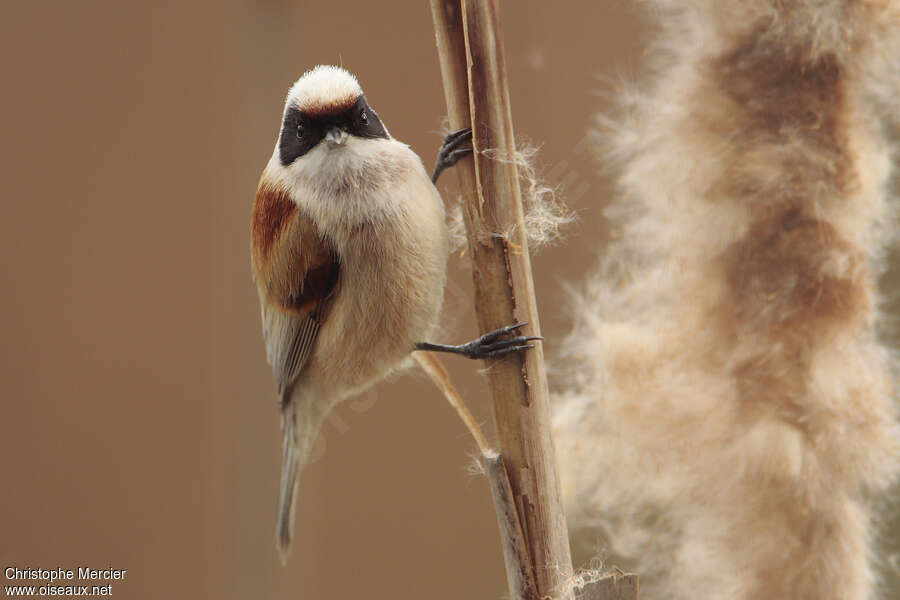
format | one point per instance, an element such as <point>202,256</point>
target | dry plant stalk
<point>438,374</point>
<point>518,566</point>
<point>473,69</point>
<point>519,574</point>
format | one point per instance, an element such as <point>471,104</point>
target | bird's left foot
<point>490,345</point>
<point>450,151</point>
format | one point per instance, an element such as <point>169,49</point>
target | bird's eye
<point>299,130</point>
<point>363,117</point>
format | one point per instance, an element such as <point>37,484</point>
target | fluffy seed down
<point>732,416</point>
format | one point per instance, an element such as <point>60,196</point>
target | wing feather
<point>297,272</point>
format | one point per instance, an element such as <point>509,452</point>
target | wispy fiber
<point>545,214</point>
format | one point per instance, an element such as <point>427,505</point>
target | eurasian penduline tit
<point>349,250</point>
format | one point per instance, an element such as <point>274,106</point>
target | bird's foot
<point>490,345</point>
<point>450,151</point>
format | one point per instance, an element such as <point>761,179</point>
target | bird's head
<point>326,112</point>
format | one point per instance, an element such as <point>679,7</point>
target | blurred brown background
<point>139,426</point>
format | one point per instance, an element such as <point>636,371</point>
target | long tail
<point>290,466</point>
<point>301,419</point>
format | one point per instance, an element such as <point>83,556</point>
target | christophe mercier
<point>55,574</point>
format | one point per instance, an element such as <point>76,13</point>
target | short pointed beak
<point>336,136</point>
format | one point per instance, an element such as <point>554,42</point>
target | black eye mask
<point>301,132</point>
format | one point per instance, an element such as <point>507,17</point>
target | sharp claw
<point>493,335</point>
<point>510,342</point>
<point>457,154</point>
<point>487,347</point>
<point>450,152</point>
<point>505,330</point>
<point>451,144</point>
<point>508,350</point>
<point>459,134</point>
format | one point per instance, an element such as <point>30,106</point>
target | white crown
<point>324,89</point>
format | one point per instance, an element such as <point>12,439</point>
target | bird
<point>348,248</point>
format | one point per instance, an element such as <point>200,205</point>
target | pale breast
<point>391,290</point>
